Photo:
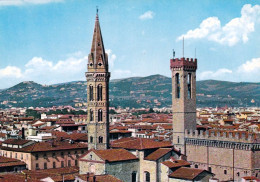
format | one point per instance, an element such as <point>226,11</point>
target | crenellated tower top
<point>187,64</point>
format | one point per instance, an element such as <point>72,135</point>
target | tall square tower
<point>183,99</point>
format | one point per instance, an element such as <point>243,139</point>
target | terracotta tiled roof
<point>139,143</point>
<point>113,155</point>
<point>158,154</point>
<point>67,172</point>
<point>16,141</point>
<point>16,178</point>
<point>48,146</point>
<point>6,162</point>
<point>99,178</point>
<point>187,173</point>
<point>176,163</point>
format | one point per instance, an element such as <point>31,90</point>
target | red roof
<point>99,178</point>
<point>113,155</point>
<point>158,154</point>
<point>176,163</point>
<point>187,173</point>
<point>6,162</point>
<point>16,141</point>
<point>48,146</point>
<point>139,143</point>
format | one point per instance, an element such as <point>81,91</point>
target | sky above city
<point>48,41</point>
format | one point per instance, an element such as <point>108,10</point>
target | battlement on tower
<point>228,136</point>
<point>183,63</point>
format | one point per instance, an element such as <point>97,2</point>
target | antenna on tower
<point>183,47</point>
<point>97,9</point>
<point>173,53</point>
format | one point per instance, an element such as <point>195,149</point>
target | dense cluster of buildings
<point>187,144</point>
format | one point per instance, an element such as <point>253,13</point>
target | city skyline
<point>47,41</point>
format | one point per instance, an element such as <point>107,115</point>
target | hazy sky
<point>47,41</point>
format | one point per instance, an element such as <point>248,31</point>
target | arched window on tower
<point>177,85</point>
<point>189,85</point>
<point>91,115</point>
<point>100,115</point>
<point>147,176</point>
<point>91,139</point>
<point>91,93</point>
<point>99,92</point>
<point>100,139</point>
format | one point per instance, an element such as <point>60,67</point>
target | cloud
<point>147,15</point>
<point>219,74</point>
<point>236,30</point>
<point>23,2</point>
<point>10,72</point>
<point>252,66</point>
<point>111,58</point>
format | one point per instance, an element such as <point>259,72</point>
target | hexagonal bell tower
<point>183,99</point>
<point>98,92</point>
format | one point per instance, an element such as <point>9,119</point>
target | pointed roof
<point>97,48</point>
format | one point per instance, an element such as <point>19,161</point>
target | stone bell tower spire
<point>97,92</point>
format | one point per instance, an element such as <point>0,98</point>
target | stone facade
<point>183,98</point>
<point>97,92</point>
<point>227,156</point>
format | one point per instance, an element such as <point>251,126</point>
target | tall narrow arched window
<point>91,115</point>
<point>100,115</point>
<point>91,93</point>
<point>177,85</point>
<point>189,85</point>
<point>91,139</point>
<point>100,139</point>
<point>134,176</point>
<point>99,92</point>
<point>147,176</point>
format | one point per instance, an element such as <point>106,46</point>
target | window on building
<point>37,166</point>
<point>177,85</point>
<point>62,154</point>
<point>53,154</point>
<point>76,162</point>
<point>21,156</point>
<point>196,166</point>
<point>134,176</point>
<point>238,174</point>
<point>45,165</point>
<point>91,157</point>
<point>16,155</point>
<point>69,163</point>
<point>91,115</point>
<point>100,115</point>
<point>36,156</point>
<point>178,139</point>
<point>54,165</point>
<point>91,93</point>
<point>91,139</point>
<point>225,171</point>
<point>189,85</point>
<point>147,176</point>
<point>75,152</point>
<point>209,169</point>
<point>62,164</point>
<point>100,139</point>
<point>82,151</point>
<point>44,155</point>
<point>99,92</point>
<point>69,154</point>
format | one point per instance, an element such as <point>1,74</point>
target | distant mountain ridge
<point>150,91</point>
